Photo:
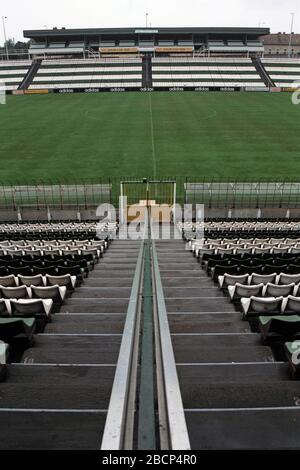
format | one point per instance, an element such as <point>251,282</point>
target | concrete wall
<point>90,214</point>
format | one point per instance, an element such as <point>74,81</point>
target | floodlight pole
<point>147,20</point>
<point>291,35</point>
<point>5,38</point>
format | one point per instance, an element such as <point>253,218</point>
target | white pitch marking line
<point>152,137</point>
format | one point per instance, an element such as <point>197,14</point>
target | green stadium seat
<point>292,352</point>
<point>16,327</point>
<point>286,327</point>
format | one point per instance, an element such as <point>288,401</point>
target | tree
<point>22,45</point>
<point>12,45</point>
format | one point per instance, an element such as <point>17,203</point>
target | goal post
<point>146,192</point>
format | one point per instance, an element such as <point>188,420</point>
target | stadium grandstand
<point>150,41</point>
<point>180,332</point>
<point>159,59</point>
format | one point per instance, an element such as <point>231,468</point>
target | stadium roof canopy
<point>80,33</point>
<point>71,42</point>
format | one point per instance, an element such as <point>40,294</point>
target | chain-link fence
<point>214,194</point>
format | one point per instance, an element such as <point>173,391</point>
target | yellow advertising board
<point>118,50</point>
<point>291,89</point>
<point>174,49</point>
<point>36,92</point>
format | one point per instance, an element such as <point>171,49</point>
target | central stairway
<point>149,342</point>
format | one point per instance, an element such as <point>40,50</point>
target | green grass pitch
<point>76,137</point>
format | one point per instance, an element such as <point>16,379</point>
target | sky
<point>34,14</point>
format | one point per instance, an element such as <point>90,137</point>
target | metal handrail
<point>177,428</point>
<point>146,407</point>
<point>113,436</point>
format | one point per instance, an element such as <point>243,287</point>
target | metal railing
<point>191,190</point>
<point>119,422</point>
<point>115,427</point>
<point>55,196</point>
<point>146,404</point>
<point>231,195</point>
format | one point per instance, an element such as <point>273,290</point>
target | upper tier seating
<point>204,72</point>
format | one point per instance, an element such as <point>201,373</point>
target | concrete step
<point>203,304</point>
<point>207,323</point>
<point>173,252</point>
<point>86,323</point>
<point>170,244</point>
<point>126,243</point>
<point>237,385</point>
<point>79,349</point>
<point>182,266</point>
<point>194,281</point>
<point>110,273</point>
<point>188,292</point>
<point>53,430</point>
<point>131,260</point>
<point>186,273</point>
<point>93,305</point>
<point>57,387</point>
<point>102,292</point>
<point>242,429</point>
<point>172,257</point>
<point>132,255</point>
<point>108,282</point>
<point>118,265</point>
<point>211,348</point>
